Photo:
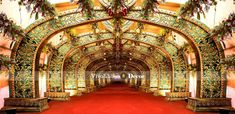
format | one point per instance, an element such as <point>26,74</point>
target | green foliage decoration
<point>9,28</point>
<point>149,6</point>
<point>230,60</point>
<point>225,28</point>
<point>192,7</point>
<point>43,7</point>
<point>6,61</point>
<point>86,7</point>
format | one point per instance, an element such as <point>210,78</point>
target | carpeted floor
<point>117,99</point>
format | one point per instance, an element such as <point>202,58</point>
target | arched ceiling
<point>130,45</point>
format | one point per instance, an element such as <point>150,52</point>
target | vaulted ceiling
<point>146,32</point>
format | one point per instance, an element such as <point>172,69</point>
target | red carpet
<point>117,99</point>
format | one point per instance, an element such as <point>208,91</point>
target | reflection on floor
<point>117,99</point>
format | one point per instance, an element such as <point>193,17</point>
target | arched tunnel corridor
<point>117,83</point>
<point>124,69</point>
<point>114,83</point>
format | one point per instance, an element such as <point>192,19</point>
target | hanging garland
<point>139,30</point>
<point>5,61</point>
<point>9,28</point>
<point>230,59</point>
<point>140,27</point>
<point>86,7</point>
<point>192,7</point>
<point>186,48</point>
<point>225,28</point>
<point>164,33</point>
<point>117,8</point>
<point>48,48</point>
<point>96,30</point>
<point>148,7</point>
<point>43,7</point>
<point>71,36</point>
